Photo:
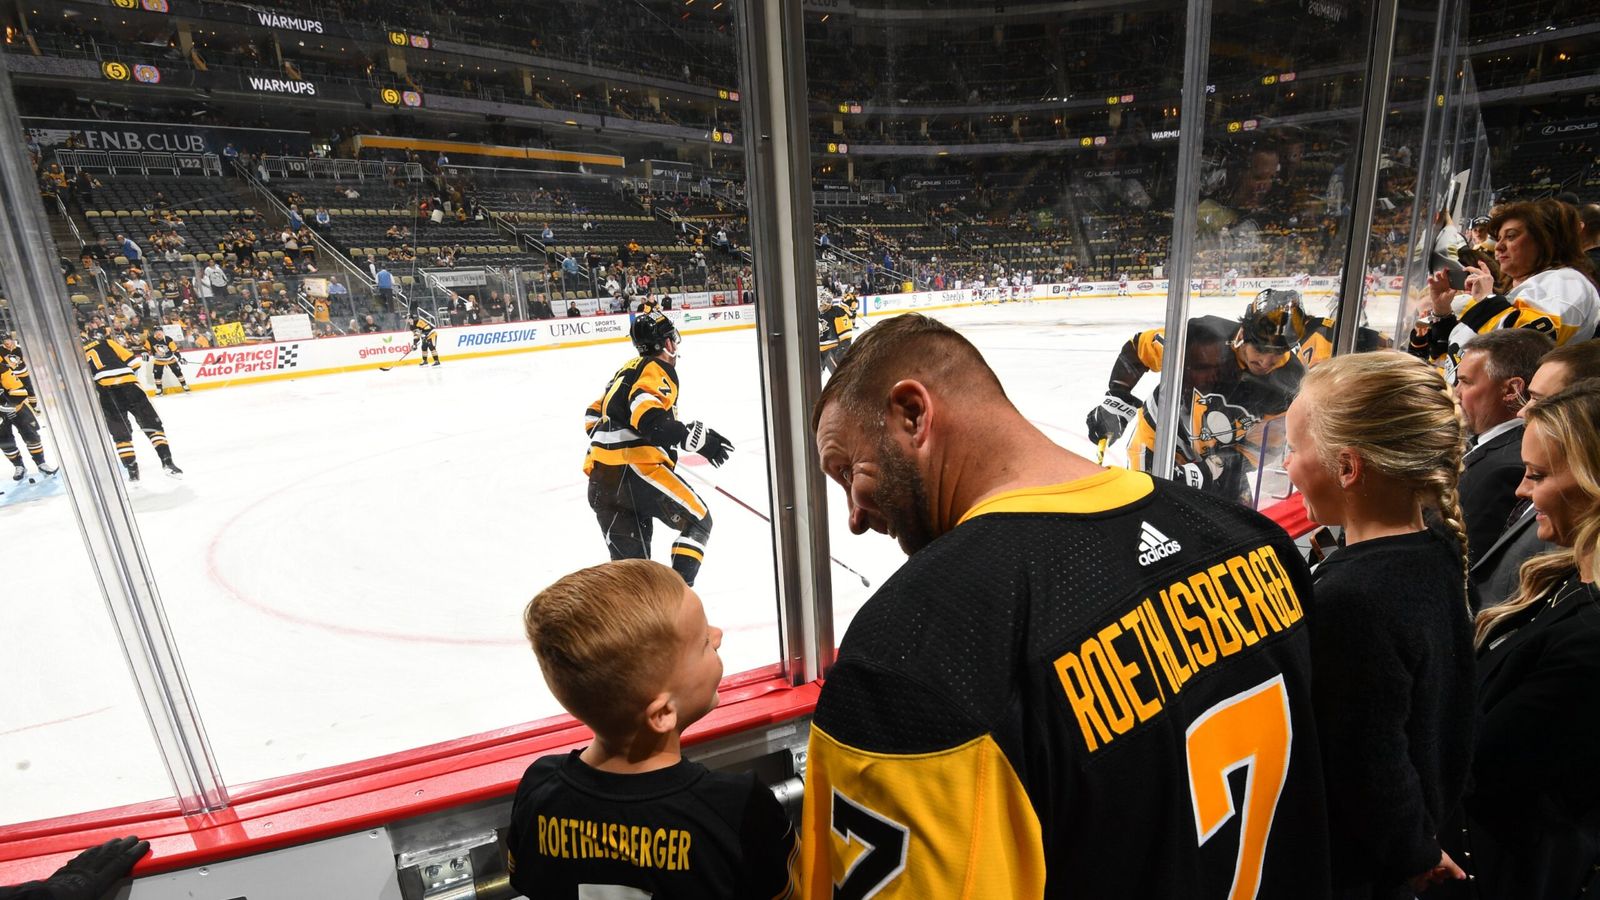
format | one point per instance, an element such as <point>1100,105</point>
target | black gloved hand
<point>90,874</point>
<point>1107,421</point>
<point>708,443</point>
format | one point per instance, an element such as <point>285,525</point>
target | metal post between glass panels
<point>778,175</point>
<point>94,478</point>
<point>1185,207</point>
<point>1364,184</point>
<point>1441,67</point>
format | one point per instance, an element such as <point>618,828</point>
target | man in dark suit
<point>1492,382</point>
<point>1496,570</point>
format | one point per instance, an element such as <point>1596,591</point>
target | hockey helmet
<point>1268,331</point>
<point>651,331</point>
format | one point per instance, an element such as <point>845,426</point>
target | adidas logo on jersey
<point>1153,545</point>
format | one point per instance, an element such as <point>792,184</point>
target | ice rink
<point>346,559</point>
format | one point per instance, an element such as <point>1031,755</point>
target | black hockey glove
<point>1107,421</point>
<point>708,443</point>
<point>90,874</point>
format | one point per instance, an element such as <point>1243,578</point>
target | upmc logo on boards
<point>570,329</point>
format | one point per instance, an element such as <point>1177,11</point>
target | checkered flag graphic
<point>289,357</point>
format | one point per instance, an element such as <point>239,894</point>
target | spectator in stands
<point>338,294</point>
<point>129,249</point>
<point>322,218</point>
<point>1492,382</point>
<point>572,309</point>
<point>296,221</point>
<point>582,629</point>
<point>950,680</point>
<point>1532,817</point>
<point>369,325</point>
<point>1374,440</point>
<point>350,193</point>
<point>1538,248</point>
<point>547,235</point>
<point>1495,573</point>
<point>385,283</point>
<point>1589,218</point>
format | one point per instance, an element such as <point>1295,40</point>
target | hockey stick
<point>1101,460</point>
<point>765,518</point>
<point>398,361</point>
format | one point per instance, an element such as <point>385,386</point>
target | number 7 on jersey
<point>1250,729</point>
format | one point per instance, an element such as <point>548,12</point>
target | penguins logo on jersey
<point>1217,421</point>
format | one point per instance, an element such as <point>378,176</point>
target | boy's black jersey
<point>1094,689</point>
<point>680,832</point>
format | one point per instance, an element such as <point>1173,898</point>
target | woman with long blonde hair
<point>1375,445</point>
<point>1532,818</point>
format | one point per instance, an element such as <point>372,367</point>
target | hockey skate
<point>171,468</point>
<point>133,472</point>
<point>18,472</point>
<point>48,469</point>
<point>436,364</point>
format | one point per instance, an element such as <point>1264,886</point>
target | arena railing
<point>126,162</point>
<point>339,169</point>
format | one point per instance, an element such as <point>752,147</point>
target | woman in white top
<point>1540,253</point>
<point>1542,265</point>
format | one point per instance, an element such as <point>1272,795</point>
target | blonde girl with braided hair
<point>1375,445</point>
<point>1532,819</point>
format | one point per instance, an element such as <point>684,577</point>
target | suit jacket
<point>1532,815</point>
<point>1489,489</point>
<point>1496,571</point>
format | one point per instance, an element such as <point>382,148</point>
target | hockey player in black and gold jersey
<point>163,351</point>
<point>1053,696</point>
<point>634,438</point>
<point>836,329</point>
<point>1236,376</point>
<point>1313,335</point>
<point>11,357</point>
<point>112,365</point>
<point>424,337</point>
<point>17,413</point>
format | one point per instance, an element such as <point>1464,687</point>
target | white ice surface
<point>346,559</point>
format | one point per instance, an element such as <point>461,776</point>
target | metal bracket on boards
<point>445,870</point>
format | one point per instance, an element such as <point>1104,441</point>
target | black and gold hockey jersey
<point>1315,337</point>
<point>12,358</point>
<point>1225,402</point>
<point>13,395</point>
<point>162,348</point>
<point>421,329</point>
<point>110,363</point>
<point>837,326</point>
<point>683,831</point>
<point>1440,343</point>
<point>635,421</point>
<point>1093,689</point>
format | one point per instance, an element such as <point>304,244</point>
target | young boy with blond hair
<point>625,647</point>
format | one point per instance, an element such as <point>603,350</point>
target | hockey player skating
<point>1236,375</point>
<point>16,413</point>
<point>1122,285</point>
<point>836,329</point>
<point>634,438</point>
<point>111,366</point>
<point>11,357</point>
<point>163,351</point>
<point>423,338</point>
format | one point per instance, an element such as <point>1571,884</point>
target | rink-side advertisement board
<point>250,363</point>
<point>918,300</point>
